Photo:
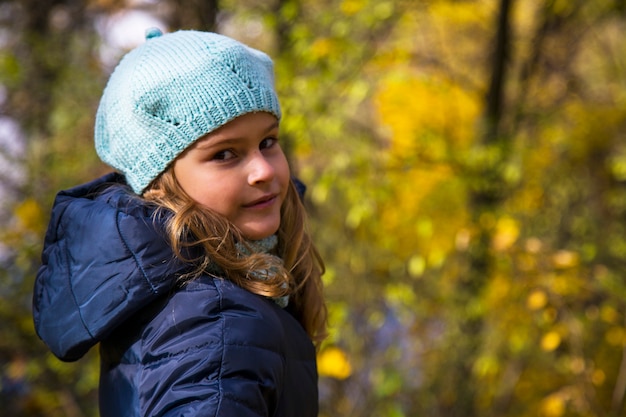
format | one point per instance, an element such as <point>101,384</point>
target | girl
<point>191,267</point>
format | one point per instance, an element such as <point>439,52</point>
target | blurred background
<point>466,171</point>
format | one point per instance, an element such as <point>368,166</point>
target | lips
<point>262,202</point>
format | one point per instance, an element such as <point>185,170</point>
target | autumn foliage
<point>466,172</point>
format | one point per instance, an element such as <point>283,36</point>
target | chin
<point>258,234</point>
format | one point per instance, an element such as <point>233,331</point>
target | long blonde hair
<point>206,239</point>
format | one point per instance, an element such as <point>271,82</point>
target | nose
<point>260,169</point>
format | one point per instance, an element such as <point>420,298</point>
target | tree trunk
<point>194,14</point>
<point>485,195</point>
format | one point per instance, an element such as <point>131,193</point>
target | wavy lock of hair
<point>211,238</point>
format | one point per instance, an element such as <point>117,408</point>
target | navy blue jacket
<point>206,348</point>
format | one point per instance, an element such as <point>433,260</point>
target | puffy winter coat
<point>206,348</point>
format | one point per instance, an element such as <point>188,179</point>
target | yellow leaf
<point>507,231</point>
<point>598,377</point>
<point>609,314</point>
<point>565,259</point>
<point>352,7</point>
<point>30,215</point>
<point>399,294</point>
<point>321,47</point>
<point>425,115</point>
<point>533,245</point>
<point>616,336</point>
<point>550,341</point>
<point>333,362</point>
<point>498,289</point>
<point>486,366</point>
<point>553,406</point>
<point>458,13</point>
<point>537,300</point>
<point>416,266</point>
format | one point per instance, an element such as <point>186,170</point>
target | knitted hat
<point>172,90</point>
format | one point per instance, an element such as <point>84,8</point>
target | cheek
<point>204,188</point>
<point>218,196</point>
<point>283,173</point>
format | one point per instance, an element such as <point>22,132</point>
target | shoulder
<point>103,223</point>
<point>98,206</point>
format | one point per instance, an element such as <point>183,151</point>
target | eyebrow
<point>209,144</point>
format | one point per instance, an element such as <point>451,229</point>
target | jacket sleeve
<point>214,350</point>
<point>93,276</point>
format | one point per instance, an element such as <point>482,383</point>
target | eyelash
<point>273,140</point>
<point>221,155</point>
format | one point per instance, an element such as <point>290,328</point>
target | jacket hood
<point>105,256</point>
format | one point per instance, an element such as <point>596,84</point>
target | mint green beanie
<point>172,90</point>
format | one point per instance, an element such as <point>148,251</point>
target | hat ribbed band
<point>172,90</point>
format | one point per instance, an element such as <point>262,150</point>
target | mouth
<point>262,202</point>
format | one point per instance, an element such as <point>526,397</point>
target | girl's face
<point>240,172</point>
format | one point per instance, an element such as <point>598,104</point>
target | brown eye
<point>223,155</point>
<point>268,143</point>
